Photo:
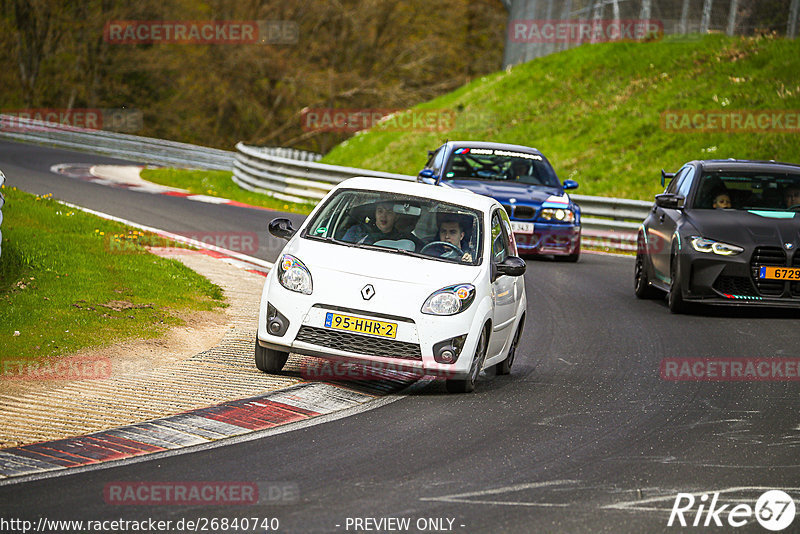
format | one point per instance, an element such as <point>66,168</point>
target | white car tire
<point>269,360</point>
<point>467,385</point>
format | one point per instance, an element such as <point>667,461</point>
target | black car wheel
<point>467,385</point>
<point>642,287</point>
<point>675,296</point>
<point>269,360</point>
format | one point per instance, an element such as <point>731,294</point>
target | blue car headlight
<point>701,244</point>
<point>293,275</point>
<point>449,300</point>
<point>557,214</point>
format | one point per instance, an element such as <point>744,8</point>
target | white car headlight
<point>701,244</point>
<point>557,214</point>
<point>293,275</point>
<point>449,300</point>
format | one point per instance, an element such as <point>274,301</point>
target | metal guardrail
<point>293,180</point>
<point>611,222</point>
<point>606,222</point>
<point>125,146</point>
<point>132,147</point>
<point>2,203</point>
<point>290,174</point>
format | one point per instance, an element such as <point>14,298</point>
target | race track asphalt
<point>583,436</point>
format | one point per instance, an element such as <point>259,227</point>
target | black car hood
<point>754,228</point>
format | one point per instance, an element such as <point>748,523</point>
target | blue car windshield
<point>748,191</point>
<point>501,166</point>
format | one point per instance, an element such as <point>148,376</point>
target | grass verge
<point>219,184</point>
<point>70,280</point>
<point>596,111</point>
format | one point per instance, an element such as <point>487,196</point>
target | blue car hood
<point>502,192</point>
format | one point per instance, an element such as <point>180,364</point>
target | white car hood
<point>401,283</point>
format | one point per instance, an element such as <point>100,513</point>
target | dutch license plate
<point>522,227</point>
<point>362,326</point>
<point>779,273</point>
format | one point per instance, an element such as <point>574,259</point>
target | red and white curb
<point>127,177</point>
<point>196,428</point>
<point>250,418</point>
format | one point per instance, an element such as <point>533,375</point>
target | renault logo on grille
<point>367,292</point>
<point>788,246</point>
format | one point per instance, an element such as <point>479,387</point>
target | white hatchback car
<point>397,275</point>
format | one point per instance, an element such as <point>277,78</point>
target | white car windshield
<point>401,224</point>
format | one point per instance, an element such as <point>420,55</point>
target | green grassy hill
<point>596,111</point>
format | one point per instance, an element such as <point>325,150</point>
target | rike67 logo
<point>774,510</point>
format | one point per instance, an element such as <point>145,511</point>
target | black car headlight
<point>557,214</point>
<point>701,244</point>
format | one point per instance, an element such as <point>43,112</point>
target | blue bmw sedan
<point>544,218</point>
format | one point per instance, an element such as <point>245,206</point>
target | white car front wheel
<point>269,360</point>
<point>467,385</point>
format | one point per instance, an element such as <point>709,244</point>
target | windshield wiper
<point>329,239</point>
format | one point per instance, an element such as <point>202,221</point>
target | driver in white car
<point>451,231</point>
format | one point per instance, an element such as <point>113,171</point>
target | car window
<point>438,160</point>
<point>500,244</point>
<point>685,184</point>
<point>672,188</point>
<point>747,190</point>
<point>510,240</point>
<point>392,222</point>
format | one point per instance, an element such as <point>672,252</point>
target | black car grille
<point>769,256</point>
<point>520,212</point>
<point>735,285</point>
<point>795,286</point>
<point>371,346</point>
<point>524,212</point>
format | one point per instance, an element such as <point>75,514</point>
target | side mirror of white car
<point>511,266</point>
<point>282,228</point>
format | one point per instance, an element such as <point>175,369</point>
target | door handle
<point>661,218</point>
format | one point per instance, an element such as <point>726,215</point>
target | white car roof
<point>463,197</point>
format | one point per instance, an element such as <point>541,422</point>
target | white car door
<point>505,289</point>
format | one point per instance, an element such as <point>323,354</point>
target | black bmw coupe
<point>723,232</point>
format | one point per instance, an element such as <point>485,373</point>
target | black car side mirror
<point>511,266</point>
<point>670,201</point>
<point>281,227</point>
